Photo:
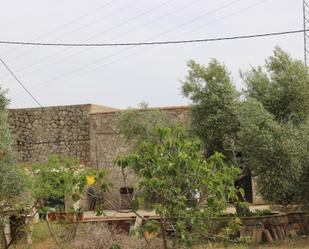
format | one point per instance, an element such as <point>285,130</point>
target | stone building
<point>87,132</point>
<point>52,130</point>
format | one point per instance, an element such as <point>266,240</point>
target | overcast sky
<point>124,76</point>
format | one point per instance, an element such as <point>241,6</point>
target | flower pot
<point>64,216</point>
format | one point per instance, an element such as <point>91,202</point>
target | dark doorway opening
<point>246,185</point>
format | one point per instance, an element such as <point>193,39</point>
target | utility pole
<point>306,32</point>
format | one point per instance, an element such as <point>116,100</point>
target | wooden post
<point>274,232</point>
<point>268,236</point>
<point>2,237</point>
<point>7,230</point>
<point>257,233</point>
<point>163,233</point>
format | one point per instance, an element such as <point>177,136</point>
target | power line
<point>162,33</point>
<point>19,82</point>
<point>68,23</point>
<point>131,19</point>
<point>224,17</point>
<point>103,18</point>
<point>152,37</point>
<point>44,83</point>
<point>75,30</point>
<point>154,42</point>
<point>139,52</point>
<point>117,36</point>
<point>199,17</point>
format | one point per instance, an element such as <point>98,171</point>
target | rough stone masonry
<point>87,132</point>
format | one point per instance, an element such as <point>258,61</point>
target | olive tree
<point>259,132</point>
<point>214,109</point>
<point>301,187</point>
<point>12,177</point>
<point>282,88</point>
<point>269,150</point>
<point>14,180</point>
<point>214,113</point>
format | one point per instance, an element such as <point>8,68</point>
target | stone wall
<point>257,199</point>
<point>62,130</point>
<point>87,132</point>
<point>106,144</point>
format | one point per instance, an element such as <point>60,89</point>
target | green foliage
<point>262,212</point>
<point>269,150</point>
<point>64,177</point>
<point>301,187</point>
<point>214,109</point>
<point>137,124</point>
<point>172,169</point>
<point>232,230</point>
<point>13,178</point>
<point>151,226</point>
<point>264,132</point>
<point>55,178</point>
<point>283,88</point>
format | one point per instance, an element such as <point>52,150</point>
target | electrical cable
<point>154,42</point>
<point>67,24</point>
<point>117,36</point>
<point>97,61</point>
<point>20,83</point>
<point>128,48</point>
<point>160,34</point>
<point>224,17</point>
<point>75,30</point>
<point>155,36</point>
<point>128,56</point>
<point>116,26</point>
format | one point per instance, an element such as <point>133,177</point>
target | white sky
<point>124,76</point>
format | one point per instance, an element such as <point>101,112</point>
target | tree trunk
<point>240,210</point>
<point>163,232</point>
<point>174,243</point>
<point>3,244</point>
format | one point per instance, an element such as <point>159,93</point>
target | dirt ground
<point>89,235</point>
<point>299,243</point>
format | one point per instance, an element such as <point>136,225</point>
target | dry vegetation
<point>88,236</point>
<point>299,243</point>
<point>97,236</point>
